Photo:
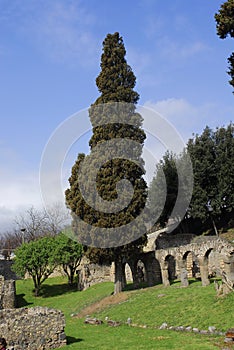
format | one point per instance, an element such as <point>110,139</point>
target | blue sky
<point>50,57</point>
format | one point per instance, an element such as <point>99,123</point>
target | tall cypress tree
<point>111,234</point>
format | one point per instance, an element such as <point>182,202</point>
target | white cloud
<point>138,59</point>
<point>59,29</point>
<point>190,119</point>
<point>64,30</point>
<point>19,186</point>
<point>173,50</point>
<point>180,120</point>
<point>18,193</point>
<point>178,112</point>
<point>172,107</point>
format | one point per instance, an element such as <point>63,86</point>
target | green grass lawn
<point>194,306</point>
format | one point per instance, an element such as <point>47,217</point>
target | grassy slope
<point>196,306</point>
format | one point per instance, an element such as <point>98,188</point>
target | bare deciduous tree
<point>34,224</point>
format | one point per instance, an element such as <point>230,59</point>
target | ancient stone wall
<point>7,294</point>
<point>212,256</point>
<point>177,254</point>
<point>6,271</point>
<point>34,328</point>
<point>37,328</point>
<point>89,274</point>
<point>165,240</point>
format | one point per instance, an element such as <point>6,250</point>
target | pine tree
<point>116,131</point>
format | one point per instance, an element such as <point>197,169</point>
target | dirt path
<point>102,304</point>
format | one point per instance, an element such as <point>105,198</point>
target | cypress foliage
<point>116,148</point>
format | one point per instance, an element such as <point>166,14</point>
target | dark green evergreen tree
<point>212,203</point>
<point>202,153</point>
<point>225,26</point>
<point>170,190</point>
<point>224,145</point>
<point>114,121</point>
<point>164,187</point>
<point>212,155</point>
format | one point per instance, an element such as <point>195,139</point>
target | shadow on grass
<point>176,283</point>
<point>72,340</point>
<point>20,301</point>
<point>131,286</point>
<point>56,289</point>
<point>194,280</point>
<point>191,281</point>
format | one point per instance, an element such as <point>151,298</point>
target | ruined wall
<point>168,257</point>
<point>89,274</point>
<point>5,270</point>
<point>165,240</point>
<point>37,328</point>
<point>7,294</point>
<point>212,256</point>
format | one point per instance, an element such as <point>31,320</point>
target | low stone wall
<point>37,328</point>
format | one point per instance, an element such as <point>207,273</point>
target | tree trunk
<point>71,277</point>
<point>36,286</point>
<point>70,272</point>
<point>118,276</point>
<point>36,292</point>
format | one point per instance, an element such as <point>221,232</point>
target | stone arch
<point>212,258</point>
<point>204,268</point>
<point>190,263</point>
<point>138,271</point>
<point>153,273</point>
<point>188,266</point>
<point>208,252</point>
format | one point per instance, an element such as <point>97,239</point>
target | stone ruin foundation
<point>170,257</point>
<point>37,328</point>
